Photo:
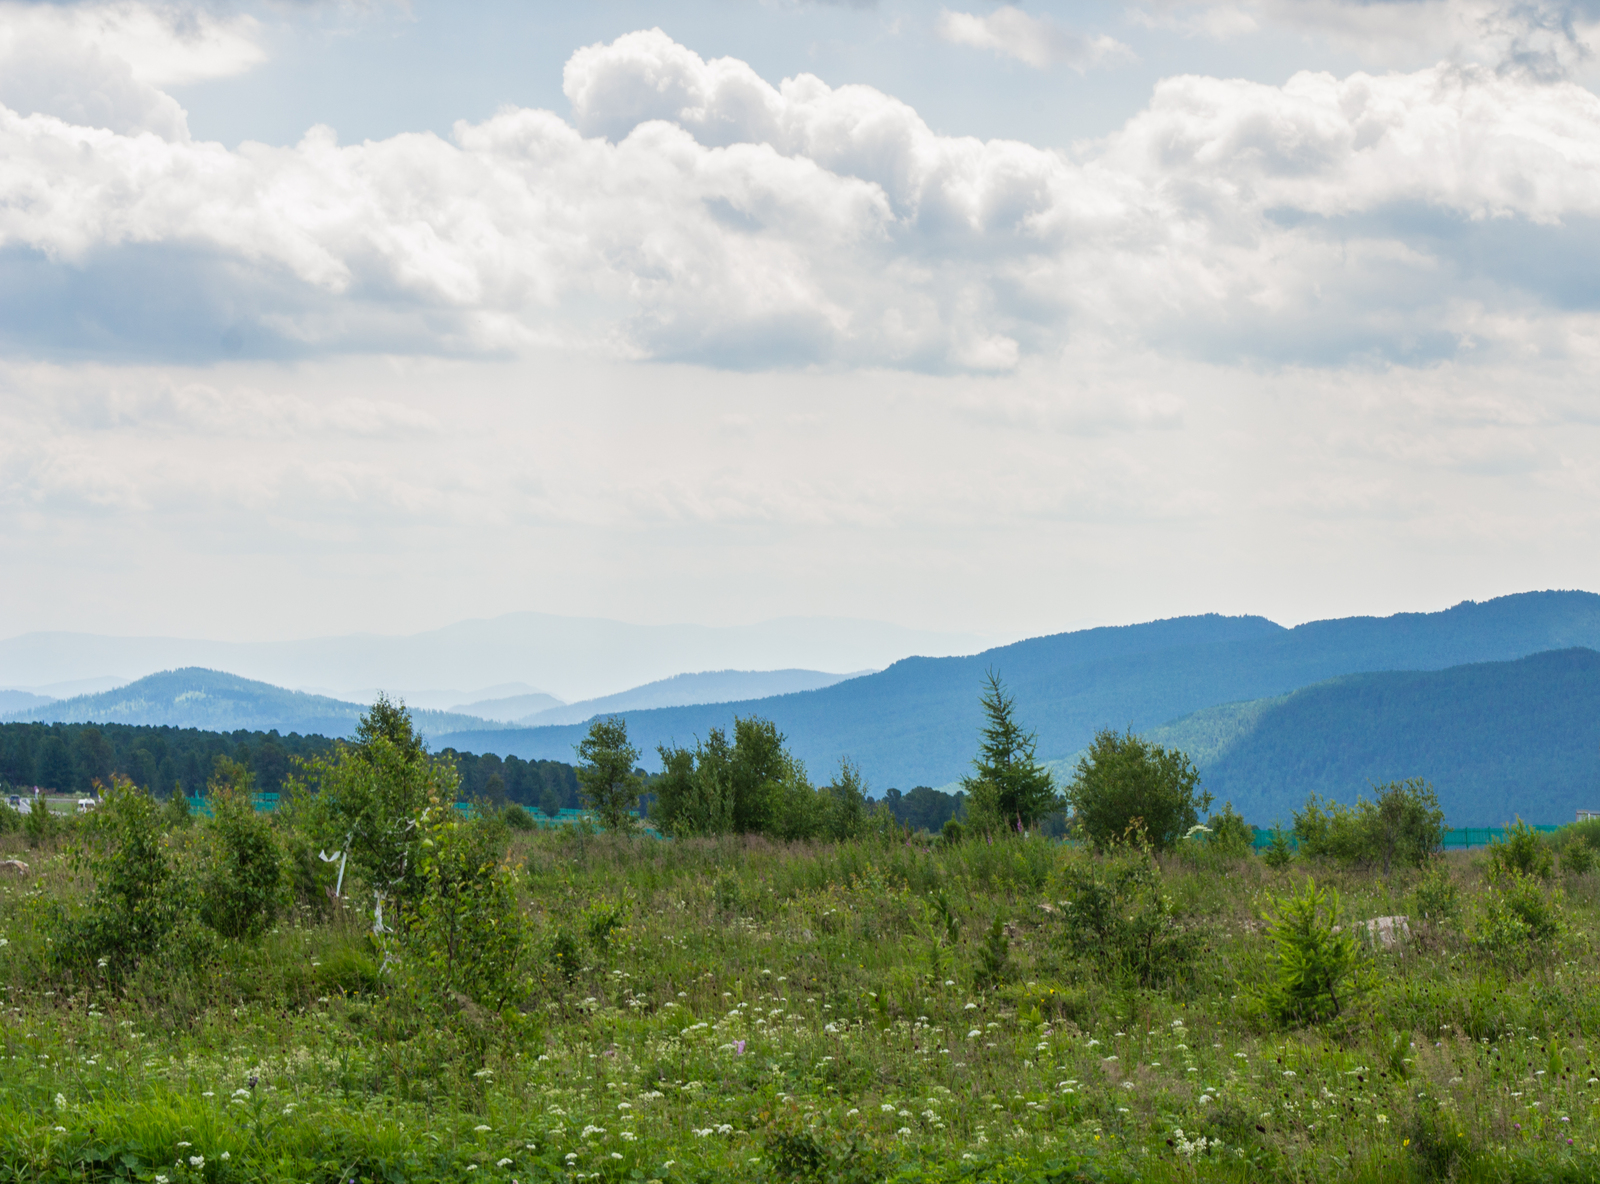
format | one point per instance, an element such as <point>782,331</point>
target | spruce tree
<point>1009,789</point>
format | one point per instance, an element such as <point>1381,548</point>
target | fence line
<point>1458,838</point>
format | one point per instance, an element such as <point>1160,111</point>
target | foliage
<point>994,958</point>
<point>1230,835</point>
<point>135,901</point>
<point>1124,780</point>
<point>244,885</point>
<point>925,808</point>
<point>517,818</point>
<point>1403,825</point>
<point>1115,912</point>
<point>1523,852</point>
<point>1280,852</point>
<point>1437,898</point>
<point>1518,919</point>
<point>466,928</point>
<point>754,786</point>
<point>1317,966</point>
<point>606,778</point>
<point>373,801</point>
<point>1008,787</point>
<point>1577,858</point>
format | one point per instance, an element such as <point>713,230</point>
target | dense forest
<point>70,758</point>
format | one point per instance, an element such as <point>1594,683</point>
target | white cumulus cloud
<point>692,210</point>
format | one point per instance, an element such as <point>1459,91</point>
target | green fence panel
<point>1458,838</point>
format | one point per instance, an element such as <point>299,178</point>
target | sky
<point>327,317</point>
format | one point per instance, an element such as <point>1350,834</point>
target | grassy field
<point>735,1010</point>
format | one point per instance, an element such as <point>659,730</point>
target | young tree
<point>1008,787</point>
<point>1125,780</point>
<point>606,777</point>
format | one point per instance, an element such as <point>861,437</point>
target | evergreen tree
<point>1008,789</point>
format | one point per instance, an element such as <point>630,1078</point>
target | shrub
<point>1316,965</point>
<point>1280,852</point>
<point>40,824</point>
<point>1231,835</point>
<point>1523,852</point>
<point>1115,913</point>
<point>950,833</point>
<point>466,927</point>
<point>244,884</point>
<point>1436,895</point>
<point>1404,825</point>
<point>517,818</point>
<point>1125,781</point>
<point>176,813</point>
<point>136,899</point>
<point>1577,858</point>
<point>1517,917</point>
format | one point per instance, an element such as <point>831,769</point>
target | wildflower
<point>197,1161</point>
<point>738,1048</point>
<point>905,1130</point>
<point>500,1163</point>
<point>628,1136</point>
<point>61,1101</point>
<point>616,1155</point>
<point>226,1155</point>
<point>593,1130</point>
<point>887,1107</point>
<point>161,1180</point>
<point>970,1007</point>
<point>571,1155</point>
<point>472,1167</point>
<point>974,1034</point>
<point>1383,1120</point>
<point>480,1128</point>
<point>624,1106</point>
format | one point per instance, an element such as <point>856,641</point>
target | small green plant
<point>1231,837</point>
<point>1523,852</point>
<point>176,813</point>
<point>994,958</point>
<point>1317,966</point>
<point>564,954</point>
<point>950,834</point>
<point>517,818</point>
<point>1280,852</point>
<point>602,920</point>
<point>1436,895</point>
<point>40,824</point>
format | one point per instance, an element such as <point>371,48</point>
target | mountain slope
<point>916,722</point>
<point>1497,739</point>
<point>712,686</point>
<point>215,701</point>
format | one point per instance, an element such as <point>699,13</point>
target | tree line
<point>72,758</point>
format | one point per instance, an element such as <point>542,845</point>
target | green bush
<point>1280,852</point>
<point>1114,912</point>
<point>1436,897</point>
<point>244,884</point>
<point>1125,783</point>
<point>1231,836</point>
<point>517,818</point>
<point>1317,966</point>
<point>1402,825</point>
<point>1523,852</point>
<point>40,824</point>
<point>1517,917</point>
<point>137,899</point>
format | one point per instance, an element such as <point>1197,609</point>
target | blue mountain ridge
<point>916,722</point>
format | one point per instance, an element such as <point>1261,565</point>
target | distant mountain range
<point>916,722</point>
<point>568,657</point>
<point>218,702</point>
<point>715,686</point>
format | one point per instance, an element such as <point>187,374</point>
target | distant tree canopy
<point>68,757</point>
<point>754,786</point>
<point>925,808</point>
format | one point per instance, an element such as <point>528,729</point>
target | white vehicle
<point>86,804</point>
<point>19,804</point>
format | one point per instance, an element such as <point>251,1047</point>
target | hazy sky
<point>318,317</point>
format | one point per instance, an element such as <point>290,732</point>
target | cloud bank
<point>692,210</point>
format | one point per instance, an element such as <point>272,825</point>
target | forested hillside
<point>71,757</point>
<point>916,722</point>
<point>1499,740</point>
<point>216,701</point>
